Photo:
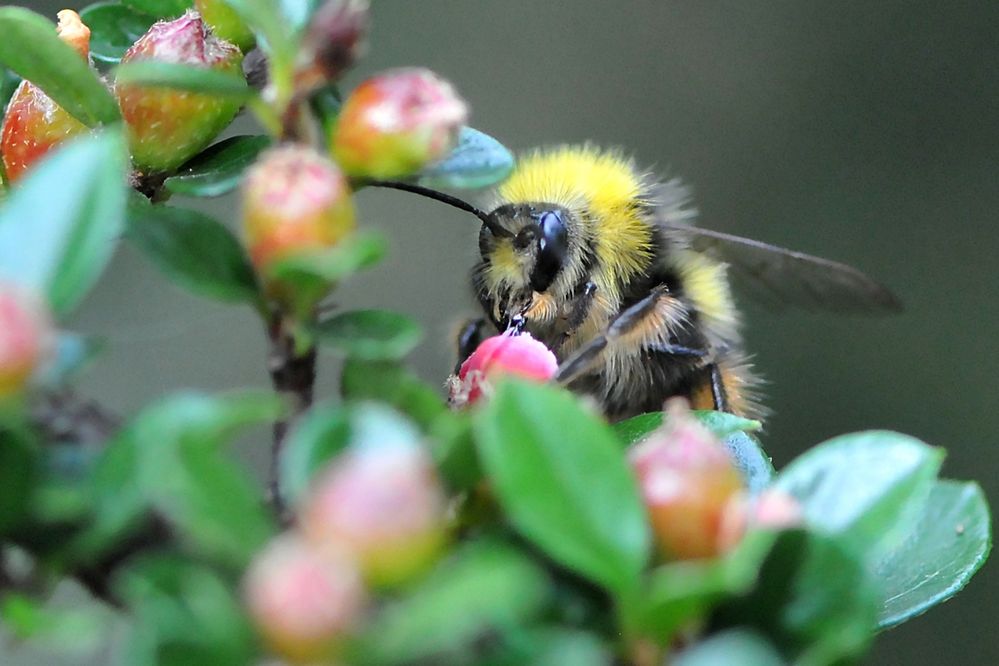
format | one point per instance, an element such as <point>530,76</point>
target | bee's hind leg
<point>718,388</point>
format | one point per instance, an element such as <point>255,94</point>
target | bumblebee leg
<point>580,311</point>
<point>643,314</point>
<point>718,388</point>
<point>470,336</point>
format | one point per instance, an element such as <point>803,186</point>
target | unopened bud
<point>294,200</point>
<point>26,337</point>
<point>225,22</point>
<point>165,126</point>
<point>771,509</point>
<point>333,42</point>
<point>513,355</point>
<point>395,123</point>
<point>304,601</point>
<point>686,479</point>
<point>34,124</point>
<point>382,504</point>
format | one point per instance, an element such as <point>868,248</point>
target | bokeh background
<point>865,132</point>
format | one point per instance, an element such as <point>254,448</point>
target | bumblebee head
<point>527,244</point>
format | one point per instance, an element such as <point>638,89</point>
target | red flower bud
<point>517,355</point>
<point>334,41</point>
<point>225,22</point>
<point>166,127</point>
<point>34,124</point>
<point>294,200</point>
<point>395,123</point>
<point>687,479</point>
<point>383,505</point>
<point>26,337</point>
<point>304,601</point>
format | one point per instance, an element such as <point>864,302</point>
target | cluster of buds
<point>26,338</point>
<point>501,355</point>
<point>34,124</point>
<point>167,127</point>
<point>376,517</point>
<point>694,494</point>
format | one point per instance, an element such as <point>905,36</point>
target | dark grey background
<point>865,132</point>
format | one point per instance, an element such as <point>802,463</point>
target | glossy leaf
<point>8,84</point>
<point>160,8</point>
<point>218,169</point>
<point>267,19</point>
<point>195,251</point>
<point>327,429</point>
<point>485,588</point>
<point>60,226</point>
<point>31,47</point>
<point>169,460</point>
<point>943,549</point>
<point>76,630</point>
<point>114,28</point>
<point>863,486</point>
<point>18,473</point>
<point>814,598</point>
<point>560,477</point>
<point>477,161</point>
<point>721,424</point>
<point>753,463</point>
<point>189,78</point>
<point>356,252</point>
<point>372,335</point>
<point>735,646</point>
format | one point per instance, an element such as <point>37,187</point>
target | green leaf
<point>735,646</point>
<point>169,461</point>
<point>54,629</point>
<point>9,81</point>
<point>298,12</point>
<point>326,430</point>
<point>394,385</point>
<point>31,47</point>
<point>477,161</point>
<point>557,646</point>
<point>195,251</point>
<point>862,486</point>
<point>356,252</point>
<point>267,20</point>
<point>372,335</point>
<point>160,8</point>
<point>189,78</point>
<point>218,169</point>
<point>562,481</point>
<point>484,588</point>
<point>943,549</point>
<point>753,464</point>
<point>18,474</point>
<point>326,104</point>
<point>114,28</point>
<point>721,424</point>
<point>813,598</point>
<point>60,226</point>
<point>183,613</point>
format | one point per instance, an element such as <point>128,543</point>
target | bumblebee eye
<point>553,246</point>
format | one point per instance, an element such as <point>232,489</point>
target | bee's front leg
<point>469,336</point>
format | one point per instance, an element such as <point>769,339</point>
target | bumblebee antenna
<point>487,219</point>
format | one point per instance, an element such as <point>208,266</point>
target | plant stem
<point>293,375</point>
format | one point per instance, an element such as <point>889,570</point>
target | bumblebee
<point>602,263</point>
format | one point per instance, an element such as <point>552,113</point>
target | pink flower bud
<point>294,200</point>
<point>304,601</point>
<point>166,127</point>
<point>26,337</point>
<point>773,509</point>
<point>225,22</point>
<point>383,505</point>
<point>395,123</point>
<point>334,41</point>
<point>687,479</point>
<point>34,124</point>
<point>516,355</point>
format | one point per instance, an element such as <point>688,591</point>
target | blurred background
<point>863,132</point>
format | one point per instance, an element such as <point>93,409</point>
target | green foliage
<point>194,251</point>
<point>59,228</point>
<point>477,161</point>
<point>218,169</point>
<point>752,649</point>
<point>371,335</point>
<point>19,466</point>
<point>560,477</point>
<point>114,28</point>
<point>31,48</point>
<point>187,78</point>
<point>164,9</point>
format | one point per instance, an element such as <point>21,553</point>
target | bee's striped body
<point>610,251</point>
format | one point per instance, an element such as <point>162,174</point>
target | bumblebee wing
<point>779,276</point>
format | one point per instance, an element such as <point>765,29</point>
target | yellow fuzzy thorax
<point>600,188</point>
